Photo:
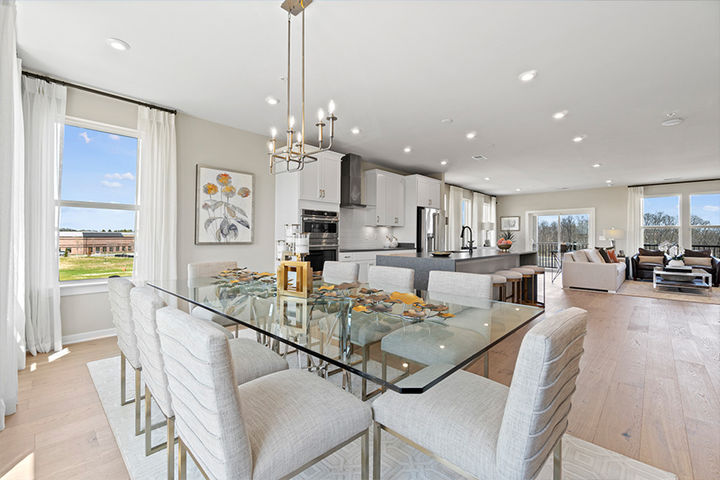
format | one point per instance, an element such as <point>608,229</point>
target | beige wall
<point>198,141</point>
<point>610,205</point>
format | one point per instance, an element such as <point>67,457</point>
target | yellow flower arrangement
<point>228,191</point>
<point>224,179</point>
<point>244,192</point>
<point>210,188</point>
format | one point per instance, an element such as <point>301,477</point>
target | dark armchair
<point>714,267</point>
<point>644,270</point>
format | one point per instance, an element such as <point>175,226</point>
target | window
<point>705,222</point>
<point>661,221</point>
<point>98,185</point>
<point>568,229</point>
<point>466,212</point>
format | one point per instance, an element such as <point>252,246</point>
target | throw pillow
<point>699,261</point>
<point>580,256</point>
<point>594,256</point>
<point>603,253</point>
<point>696,253</point>
<point>650,253</point>
<point>651,259</point>
<point>613,257</point>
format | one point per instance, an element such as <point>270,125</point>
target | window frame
<point>691,226</point>
<point>80,287</point>
<point>680,219</point>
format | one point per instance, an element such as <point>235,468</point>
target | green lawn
<point>84,268</point>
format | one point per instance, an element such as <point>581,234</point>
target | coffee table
<point>689,278</point>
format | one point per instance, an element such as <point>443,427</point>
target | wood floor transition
<point>649,388</point>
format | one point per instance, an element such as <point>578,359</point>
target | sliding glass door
<point>557,233</point>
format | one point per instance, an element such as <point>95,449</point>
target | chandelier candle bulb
<point>331,107</point>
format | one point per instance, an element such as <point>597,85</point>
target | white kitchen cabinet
<point>385,198</point>
<point>320,181</point>
<point>367,259</point>
<point>428,192</point>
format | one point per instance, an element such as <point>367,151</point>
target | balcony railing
<point>714,249</point>
<point>548,253</point>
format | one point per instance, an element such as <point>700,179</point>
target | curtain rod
<point>471,190</point>
<point>673,183</point>
<point>97,92</point>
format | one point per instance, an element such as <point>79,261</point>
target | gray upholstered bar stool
<point>500,283</point>
<point>528,284</point>
<point>514,287</point>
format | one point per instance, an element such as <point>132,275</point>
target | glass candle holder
<point>302,244</point>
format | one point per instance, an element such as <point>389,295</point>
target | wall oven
<point>323,229</point>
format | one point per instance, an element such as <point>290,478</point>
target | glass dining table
<point>359,331</point>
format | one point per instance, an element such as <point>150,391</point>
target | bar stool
<point>538,271</point>
<point>528,284</point>
<point>500,283</point>
<point>513,291</point>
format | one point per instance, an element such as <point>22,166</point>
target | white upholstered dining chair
<point>391,279</point>
<point>249,361</point>
<point>119,297</point>
<point>340,272</point>
<point>203,270</point>
<point>459,287</point>
<point>266,429</point>
<point>485,430</point>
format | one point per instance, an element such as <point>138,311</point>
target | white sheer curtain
<point>12,291</point>
<point>156,240</point>
<point>634,220</point>
<point>44,120</point>
<point>454,213</point>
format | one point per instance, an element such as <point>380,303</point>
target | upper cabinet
<point>320,181</point>
<point>428,191</point>
<point>385,198</point>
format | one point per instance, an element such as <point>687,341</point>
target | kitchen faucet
<point>462,237</point>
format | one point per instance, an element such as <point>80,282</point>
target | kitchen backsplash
<point>354,234</point>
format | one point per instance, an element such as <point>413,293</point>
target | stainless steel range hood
<point>351,174</point>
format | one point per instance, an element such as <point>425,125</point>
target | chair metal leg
<point>557,460</point>
<point>171,448</point>
<point>148,422</point>
<point>138,397</point>
<point>377,447</point>
<point>384,369</point>
<point>123,387</point>
<point>486,365</point>
<point>365,456</point>
<point>365,355</point>
<point>182,460</point>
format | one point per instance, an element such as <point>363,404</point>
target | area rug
<point>581,460</point>
<point>634,288</point>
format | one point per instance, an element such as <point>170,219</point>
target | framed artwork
<point>224,201</point>
<point>510,223</point>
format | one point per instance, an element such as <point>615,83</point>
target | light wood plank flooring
<point>649,389</point>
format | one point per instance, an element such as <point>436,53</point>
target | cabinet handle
<point>323,193</point>
<point>429,201</point>
<point>378,219</point>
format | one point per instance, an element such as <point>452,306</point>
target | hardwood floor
<point>649,388</point>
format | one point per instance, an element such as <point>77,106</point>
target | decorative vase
<point>676,263</point>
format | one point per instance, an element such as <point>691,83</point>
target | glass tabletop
<point>397,341</point>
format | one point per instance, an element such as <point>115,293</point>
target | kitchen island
<point>479,260</point>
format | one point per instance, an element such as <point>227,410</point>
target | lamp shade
<point>614,233</point>
<point>487,226</point>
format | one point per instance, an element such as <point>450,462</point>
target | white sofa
<point>586,269</point>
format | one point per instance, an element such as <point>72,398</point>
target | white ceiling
<point>396,68</point>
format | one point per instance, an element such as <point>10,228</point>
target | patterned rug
<point>634,288</point>
<point>581,460</point>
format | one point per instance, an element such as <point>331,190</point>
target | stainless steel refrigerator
<point>429,231</point>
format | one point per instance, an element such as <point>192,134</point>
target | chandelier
<point>296,153</point>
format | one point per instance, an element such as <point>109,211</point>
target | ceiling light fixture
<point>487,179</point>
<point>596,165</point>
<point>407,149</point>
<point>272,100</point>
<point>470,135</point>
<point>560,115</point>
<point>293,156</point>
<point>517,189</point>
<point>579,138</point>
<point>444,162</point>
<point>672,120</point>
<point>355,131</point>
<point>118,44</point>
<point>479,156</point>
<point>446,120</point>
<point>528,76</point>
<point>608,181</point>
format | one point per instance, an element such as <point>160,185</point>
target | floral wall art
<point>223,206</point>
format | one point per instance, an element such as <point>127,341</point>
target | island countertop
<point>476,253</point>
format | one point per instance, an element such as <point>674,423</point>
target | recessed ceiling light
<point>596,165</point>
<point>608,181</point>
<point>355,131</point>
<point>672,120</point>
<point>528,76</point>
<point>470,135</point>
<point>487,179</point>
<point>563,188</point>
<point>479,156</point>
<point>444,162</point>
<point>446,120</point>
<point>560,115</point>
<point>272,100</point>
<point>407,149</point>
<point>517,189</point>
<point>118,44</point>
<point>579,138</point>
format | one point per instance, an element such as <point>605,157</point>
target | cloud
<point>711,208</point>
<point>120,176</point>
<point>85,137</point>
<point>111,184</point>
<point>114,137</point>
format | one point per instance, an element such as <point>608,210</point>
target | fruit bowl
<point>504,246</point>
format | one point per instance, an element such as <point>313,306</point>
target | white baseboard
<point>86,336</point>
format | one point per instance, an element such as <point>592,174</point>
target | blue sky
<point>667,205</point>
<point>706,207</point>
<point>98,167</point>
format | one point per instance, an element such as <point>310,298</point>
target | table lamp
<point>613,234</point>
